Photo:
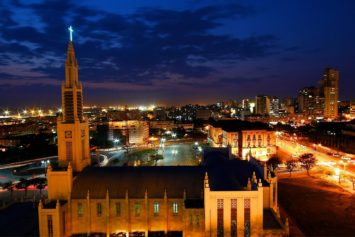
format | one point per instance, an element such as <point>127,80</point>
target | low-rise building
<point>244,138</point>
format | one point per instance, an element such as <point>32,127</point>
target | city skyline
<point>172,54</point>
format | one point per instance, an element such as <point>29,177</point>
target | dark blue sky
<point>174,52</point>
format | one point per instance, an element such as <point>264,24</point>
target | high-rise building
<point>274,106</point>
<point>329,86</point>
<point>73,129</point>
<point>262,104</point>
<point>352,109</point>
<point>310,102</point>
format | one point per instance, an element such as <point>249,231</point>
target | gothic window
<point>63,222</point>
<point>254,140</point>
<point>175,208</point>
<point>118,209</point>
<point>233,217</point>
<point>50,225</point>
<point>80,209</point>
<point>69,150</point>
<point>98,209</point>
<point>82,149</point>
<point>137,209</point>
<point>220,226</point>
<point>247,217</point>
<point>156,208</point>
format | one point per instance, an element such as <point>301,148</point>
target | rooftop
<point>136,180</point>
<point>235,125</point>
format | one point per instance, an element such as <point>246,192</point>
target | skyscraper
<point>330,89</point>
<point>262,104</point>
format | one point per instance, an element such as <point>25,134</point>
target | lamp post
<point>116,141</point>
<point>45,164</point>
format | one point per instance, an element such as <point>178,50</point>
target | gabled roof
<point>227,174</point>
<point>136,180</point>
<point>235,125</point>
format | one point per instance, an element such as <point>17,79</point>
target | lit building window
<point>233,217</point>
<point>156,208</point>
<point>69,151</point>
<point>63,221</point>
<point>118,209</point>
<point>247,217</point>
<point>50,225</point>
<point>175,208</point>
<point>137,209</point>
<point>80,209</point>
<point>220,227</point>
<point>268,140</point>
<point>98,209</point>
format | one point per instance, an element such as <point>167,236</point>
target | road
<point>288,149</point>
<point>178,154</point>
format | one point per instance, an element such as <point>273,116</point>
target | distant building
<point>274,106</point>
<point>244,138</point>
<point>160,113</point>
<point>310,102</point>
<point>136,130</point>
<point>330,88</point>
<point>123,115</point>
<point>203,113</point>
<point>352,109</point>
<point>262,104</point>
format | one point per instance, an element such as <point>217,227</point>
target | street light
<point>45,163</point>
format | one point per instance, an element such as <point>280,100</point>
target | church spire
<point>72,101</point>
<point>72,127</point>
<point>71,67</point>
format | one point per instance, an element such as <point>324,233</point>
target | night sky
<point>173,52</point>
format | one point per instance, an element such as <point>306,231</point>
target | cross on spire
<point>71,33</point>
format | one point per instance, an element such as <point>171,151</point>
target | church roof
<point>236,125</point>
<point>230,174</point>
<point>136,180</point>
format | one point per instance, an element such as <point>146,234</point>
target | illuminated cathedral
<point>223,197</point>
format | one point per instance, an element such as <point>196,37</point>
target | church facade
<point>228,198</point>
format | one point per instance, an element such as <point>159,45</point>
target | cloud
<point>149,49</point>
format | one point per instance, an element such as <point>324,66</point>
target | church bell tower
<point>72,126</point>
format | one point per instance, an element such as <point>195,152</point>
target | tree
<point>23,184</point>
<point>273,163</point>
<point>291,165</point>
<point>308,161</point>
<point>39,183</point>
<point>9,187</point>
